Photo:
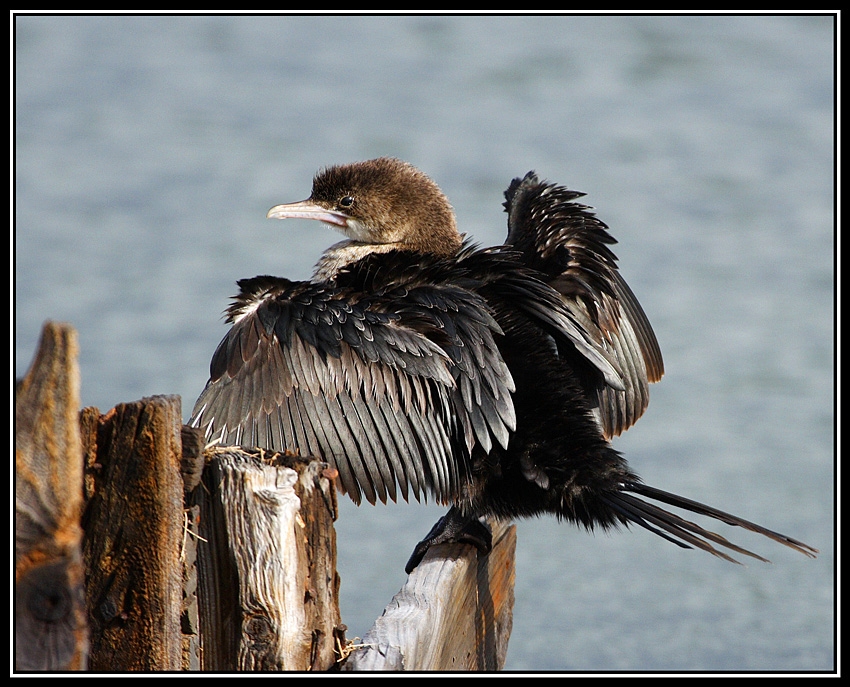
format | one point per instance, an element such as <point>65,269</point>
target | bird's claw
<point>452,528</point>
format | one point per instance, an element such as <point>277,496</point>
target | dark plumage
<point>416,363</point>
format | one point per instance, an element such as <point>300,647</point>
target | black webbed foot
<point>453,527</point>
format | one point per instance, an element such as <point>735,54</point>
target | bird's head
<point>384,202</point>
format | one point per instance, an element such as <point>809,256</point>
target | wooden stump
<point>268,590</point>
<point>455,612</point>
<point>134,529</point>
<point>50,619</point>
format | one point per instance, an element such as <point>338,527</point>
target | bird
<point>421,365</point>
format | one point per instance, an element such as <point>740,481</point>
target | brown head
<point>383,203</point>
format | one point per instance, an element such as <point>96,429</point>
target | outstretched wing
<point>393,389</point>
<point>567,242</point>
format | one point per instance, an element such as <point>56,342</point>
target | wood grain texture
<point>50,619</point>
<point>453,614</point>
<point>134,527</point>
<point>268,588</point>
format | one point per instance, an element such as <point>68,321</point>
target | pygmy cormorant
<point>416,363</point>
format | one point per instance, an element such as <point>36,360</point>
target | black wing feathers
<point>394,385</point>
<point>568,244</point>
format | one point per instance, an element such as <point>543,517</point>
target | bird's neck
<point>345,253</point>
<point>342,254</point>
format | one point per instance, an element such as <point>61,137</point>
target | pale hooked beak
<point>304,209</point>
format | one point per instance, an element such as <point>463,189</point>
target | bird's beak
<point>304,209</point>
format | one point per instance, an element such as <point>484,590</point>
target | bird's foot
<point>453,527</point>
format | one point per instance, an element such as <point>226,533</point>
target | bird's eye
<point>346,201</point>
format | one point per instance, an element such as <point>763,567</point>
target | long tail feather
<point>685,533</point>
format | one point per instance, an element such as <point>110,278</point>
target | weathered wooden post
<point>50,619</point>
<point>455,612</point>
<point>133,534</point>
<point>268,590</point>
